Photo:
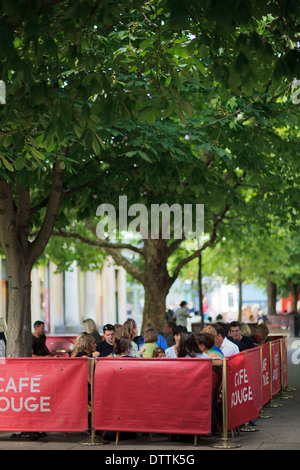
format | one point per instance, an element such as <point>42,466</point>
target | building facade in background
<point>64,300</point>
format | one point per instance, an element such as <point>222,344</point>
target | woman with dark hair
<point>177,332</point>
<point>206,344</point>
<point>189,347</point>
<point>122,347</point>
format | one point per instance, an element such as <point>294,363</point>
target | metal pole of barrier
<point>262,415</point>
<point>94,440</point>
<point>272,404</point>
<point>225,444</point>
<point>283,395</point>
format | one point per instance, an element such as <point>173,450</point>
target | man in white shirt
<point>227,347</point>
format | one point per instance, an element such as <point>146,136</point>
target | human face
<point>135,331</point>
<point>177,339</point>
<point>261,337</point>
<point>40,330</point>
<point>236,332</point>
<point>93,347</point>
<point>219,340</point>
<point>109,336</point>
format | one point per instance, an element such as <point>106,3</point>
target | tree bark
<point>156,282</point>
<point>295,291</point>
<point>19,309</point>
<point>201,312</point>
<point>155,305</point>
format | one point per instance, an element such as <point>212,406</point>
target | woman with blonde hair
<point>91,328</point>
<point>246,331</point>
<point>130,331</point>
<point>261,333</point>
<point>85,345</point>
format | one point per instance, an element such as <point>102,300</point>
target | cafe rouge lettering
<point>14,395</point>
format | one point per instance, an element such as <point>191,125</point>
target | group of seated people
<point>218,340</point>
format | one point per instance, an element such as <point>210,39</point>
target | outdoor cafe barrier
<point>43,394</point>
<point>171,396</point>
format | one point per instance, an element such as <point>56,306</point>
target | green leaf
<point>19,163</point>
<point>36,153</point>
<point>96,145</point>
<point>144,156</point>
<point>147,115</point>
<point>7,164</point>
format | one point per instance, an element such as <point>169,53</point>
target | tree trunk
<point>272,297</point>
<point>201,312</point>
<point>295,291</point>
<point>155,305</point>
<point>19,309</point>
<point>21,254</point>
<point>156,282</point>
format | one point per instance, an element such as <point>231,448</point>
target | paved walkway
<point>279,432</point>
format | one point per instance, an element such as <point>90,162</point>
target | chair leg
<point>195,439</point>
<point>117,437</point>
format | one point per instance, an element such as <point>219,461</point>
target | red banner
<point>43,394</point>
<point>253,368</point>
<point>153,395</point>
<point>266,381</point>
<point>242,390</point>
<point>275,358</point>
<point>284,362</point>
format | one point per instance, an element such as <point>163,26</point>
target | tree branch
<point>98,243</point>
<point>113,249</point>
<point>42,238</point>
<point>196,253</point>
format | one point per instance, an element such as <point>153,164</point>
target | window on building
<point>230,299</point>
